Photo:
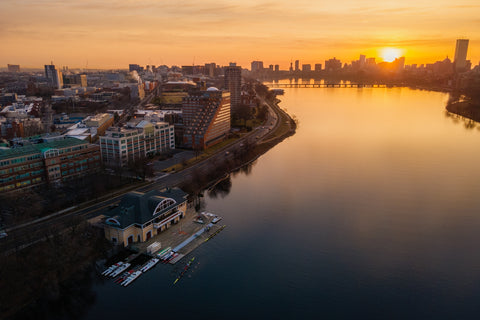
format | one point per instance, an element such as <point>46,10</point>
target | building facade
<point>54,76</point>
<point>233,83</point>
<point>46,162</point>
<point>206,118</point>
<point>13,67</point>
<point>140,216</point>
<point>256,66</point>
<point>121,146</point>
<point>101,122</point>
<point>460,60</point>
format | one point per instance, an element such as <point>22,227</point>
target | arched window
<point>163,205</point>
<point>112,221</point>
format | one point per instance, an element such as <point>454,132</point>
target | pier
<point>183,237</point>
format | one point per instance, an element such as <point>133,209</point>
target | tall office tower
<point>277,68</point>
<point>362,60</point>
<point>318,67</point>
<point>206,118</point>
<point>233,83</point>
<point>257,66</point>
<point>297,65</point>
<point>460,61</point>
<point>54,76</point>
<point>210,69</point>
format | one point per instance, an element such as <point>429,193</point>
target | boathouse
<point>139,216</point>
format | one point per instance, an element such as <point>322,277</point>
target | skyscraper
<point>297,65</point>
<point>233,83</point>
<point>257,66</point>
<point>54,76</point>
<point>460,61</point>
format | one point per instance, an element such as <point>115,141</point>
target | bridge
<point>325,85</point>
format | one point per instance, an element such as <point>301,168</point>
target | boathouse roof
<point>139,207</point>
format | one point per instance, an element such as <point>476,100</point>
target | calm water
<point>371,211</point>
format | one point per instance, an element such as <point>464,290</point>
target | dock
<point>183,237</point>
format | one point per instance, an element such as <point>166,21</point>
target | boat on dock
<point>216,219</point>
<point>163,252</point>
<point>112,268</point>
<point>150,264</point>
<point>167,256</point>
<point>173,256</point>
<point>120,269</point>
<point>124,276</point>
<point>131,278</point>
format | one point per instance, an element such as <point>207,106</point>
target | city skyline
<point>106,34</point>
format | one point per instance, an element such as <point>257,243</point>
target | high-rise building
<point>206,118</point>
<point>333,65</point>
<point>362,60</point>
<point>134,67</point>
<point>277,68</point>
<point>13,67</point>
<point>257,66</point>
<point>306,67</point>
<point>460,60</point>
<point>75,80</point>
<point>233,83</point>
<point>297,65</point>
<point>54,76</point>
<point>318,67</point>
<point>210,69</point>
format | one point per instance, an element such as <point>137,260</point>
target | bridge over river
<point>325,85</point>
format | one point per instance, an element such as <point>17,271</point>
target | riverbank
<point>466,109</point>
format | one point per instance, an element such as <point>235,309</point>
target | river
<point>370,211</point>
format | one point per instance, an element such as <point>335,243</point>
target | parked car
<point>3,234</point>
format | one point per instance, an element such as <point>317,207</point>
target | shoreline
<point>466,109</point>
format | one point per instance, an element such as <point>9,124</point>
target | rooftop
<point>138,207</point>
<point>29,149</point>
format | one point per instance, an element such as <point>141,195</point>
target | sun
<point>389,54</point>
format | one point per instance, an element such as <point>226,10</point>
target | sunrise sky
<point>114,33</point>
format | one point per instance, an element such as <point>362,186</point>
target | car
<point>3,234</point>
<point>227,153</point>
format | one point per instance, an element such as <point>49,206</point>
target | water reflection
<point>369,211</point>
<point>468,124</point>
<point>221,188</point>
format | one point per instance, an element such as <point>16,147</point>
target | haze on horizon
<point>114,33</point>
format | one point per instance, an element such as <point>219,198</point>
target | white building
<point>120,146</point>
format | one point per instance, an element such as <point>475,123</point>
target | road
<point>24,236</point>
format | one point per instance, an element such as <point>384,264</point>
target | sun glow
<point>389,54</point>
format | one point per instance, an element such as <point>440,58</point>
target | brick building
<point>206,118</point>
<point>45,161</point>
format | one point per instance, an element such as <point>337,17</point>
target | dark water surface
<point>371,211</point>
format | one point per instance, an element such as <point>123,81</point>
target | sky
<point>114,33</point>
